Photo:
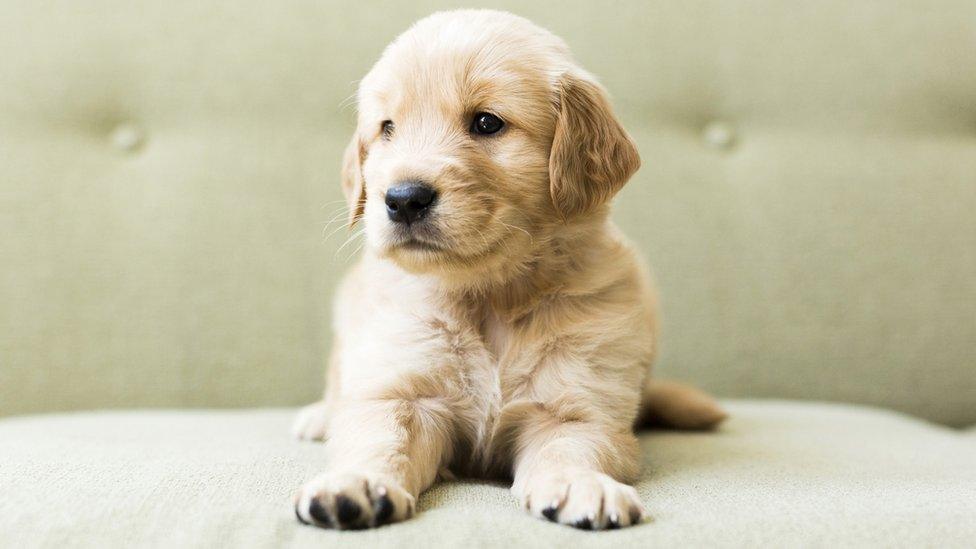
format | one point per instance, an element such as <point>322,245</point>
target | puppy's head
<point>478,137</point>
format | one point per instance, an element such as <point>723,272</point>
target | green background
<point>828,251</point>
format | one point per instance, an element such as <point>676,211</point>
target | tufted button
<point>127,137</point>
<point>719,135</point>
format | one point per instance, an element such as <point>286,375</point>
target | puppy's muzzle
<point>409,201</point>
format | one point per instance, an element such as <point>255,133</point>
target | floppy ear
<point>592,154</point>
<point>352,178</point>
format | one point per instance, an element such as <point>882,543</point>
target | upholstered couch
<point>168,172</point>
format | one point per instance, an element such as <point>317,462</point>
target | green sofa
<point>169,246</point>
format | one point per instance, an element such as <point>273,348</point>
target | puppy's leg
<point>382,454</point>
<point>573,472</point>
<point>312,421</point>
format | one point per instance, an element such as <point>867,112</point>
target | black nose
<point>409,201</point>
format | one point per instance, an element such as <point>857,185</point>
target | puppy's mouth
<point>423,244</point>
<point>415,239</point>
<point>418,245</point>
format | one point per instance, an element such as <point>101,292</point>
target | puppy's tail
<point>678,406</point>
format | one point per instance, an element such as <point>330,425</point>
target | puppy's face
<point>478,137</point>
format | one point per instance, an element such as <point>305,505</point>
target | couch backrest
<point>167,169</point>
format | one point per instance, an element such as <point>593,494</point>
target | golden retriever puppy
<point>498,324</point>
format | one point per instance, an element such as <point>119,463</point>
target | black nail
<point>347,510</point>
<point>613,523</point>
<point>383,509</point>
<point>299,516</point>
<point>319,513</point>
<point>583,524</point>
<point>551,513</point>
<point>635,515</point>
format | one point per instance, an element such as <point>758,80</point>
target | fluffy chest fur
<point>483,358</point>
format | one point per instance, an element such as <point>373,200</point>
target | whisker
<point>510,227</point>
<point>358,248</point>
<point>351,238</point>
<point>517,228</point>
<point>342,225</point>
<point>332,202</point>
<point>334,231</point>
<point>337,218</point>
<point>351,99</point>
<point>337,212</point>
<point>484,239</point>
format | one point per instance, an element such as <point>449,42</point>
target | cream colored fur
<point>517,338</point>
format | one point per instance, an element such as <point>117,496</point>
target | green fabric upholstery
<point>167,170</point>
<point>778,474</point>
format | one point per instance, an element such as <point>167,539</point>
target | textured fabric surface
<point>167,169</point>
<point>802,474</point>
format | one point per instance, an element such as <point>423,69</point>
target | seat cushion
<point>777,472</point>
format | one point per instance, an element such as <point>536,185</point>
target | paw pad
<point>351,502</point>
<point>583,499</point>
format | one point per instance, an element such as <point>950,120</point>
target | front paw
<point>583,499</point>
<point>350,502</point>
<point>311,422</point>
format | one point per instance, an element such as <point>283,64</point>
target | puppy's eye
<point>386,129</point>
<point>485,123</point>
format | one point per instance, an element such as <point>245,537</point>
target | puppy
<point>498,324</point>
